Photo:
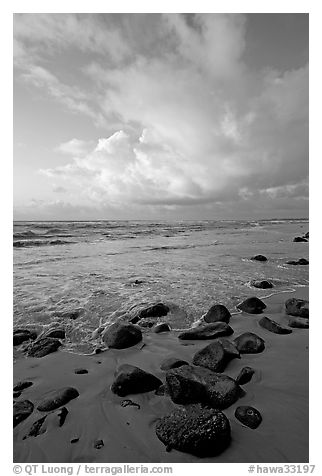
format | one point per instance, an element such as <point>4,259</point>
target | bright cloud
<point>195,124</point>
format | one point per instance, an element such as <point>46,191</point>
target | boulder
<point>299,239</point>
<point>262,284</point>
<point>307,235</point>
<point>163,327</point>
<point>298,322</point>
<point>57,398</point>
<point>259,258</point>
<point>207,331</point>
<point>273,326</point>
<point>303,262</point>
<point>172,363</point>
<point>156,310</point>
<point>21,411</point>
<point>58,333</point>
<point>245,375</point>
<point>22,335</point>
<point>197,430</point>
<point>81,371</point>
<point>249,343</point>
<point>300,262</point>
<point>229,347</point>
<point>215,356</point>
<point>297,307</point>
<point>216,313</point>
<point>20,386</point>
<point>43,347</point>
<point>188,384</point>
<point>252,305</point>
<point>131,380</point>
<point>122,335</point>
<point>248,416</point>
<point>40,426</point>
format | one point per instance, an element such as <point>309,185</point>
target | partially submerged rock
<point>273,326</point>
<point>21,411</point>
<point>172,363</point>
<point>57,398</point>
<point>216,313</point>
<point>299,239</point>
<point>195,430</point>
<point>301,262</point>
<point>43,347</point>
<point>40,426</point>
<point>259,258</point>
<point>81,371</point>
<point>297,307</point>
<point>162,327</point>
<point>207,331</point>
<point>131,380</point>
<point>249,343</point>
<point>22,335</point>
<point>122,335</point>
<point>262,284</point>
<point>245,375</point>
<point>248,416</point>
<point>20,386</point>
<point>252,305</point>
<point>156,310</point>
<point>189,384</point>
<point>298,322</point>
<point>216,356</point>
<point>58,333</point>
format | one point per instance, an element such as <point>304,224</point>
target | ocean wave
<point>32,243</point>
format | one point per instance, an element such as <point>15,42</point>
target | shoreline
<point>279,390</point>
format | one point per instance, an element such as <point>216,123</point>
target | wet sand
<point>279,390</point>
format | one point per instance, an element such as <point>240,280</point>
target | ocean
<point>99,270</point>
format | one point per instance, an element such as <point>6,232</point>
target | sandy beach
<point>279,390</point>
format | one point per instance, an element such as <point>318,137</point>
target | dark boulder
<point>172,363</point>
<point>196,430</point>
<point>163,327</point>
<point>249,343</point>
<point>58,333</point>
<point>39,426</point>
<point>207,331</point>
<point>252,305</point>
<point>303,262</point>
<point>307,235</point>
<point>81,371</point>
<point>122,335</point>
<point>156,310</point>
<point>299,239</point>
<point>229,348</point>
<point>21,411</point>
<point>43,347</point>
<point>131,380</point>
<point>297,307</point>
<point>215,356</point>
<point>130,403</point>
<point>22,335</point>
<point>300,262</point>
<point>57,398</point>
<point>248,416</point>
<point>245,375</point>
<point>259,258</point>
<point>262,284</point>
<point>298,322</point>
<point>20,386</point>
<point>188,384</point>
<point>273,326</point>
<point>16,394</point>
<point>216,313</point>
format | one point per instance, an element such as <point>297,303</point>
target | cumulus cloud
<point>197,125</point>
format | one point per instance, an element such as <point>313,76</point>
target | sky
<point>160,116</point>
